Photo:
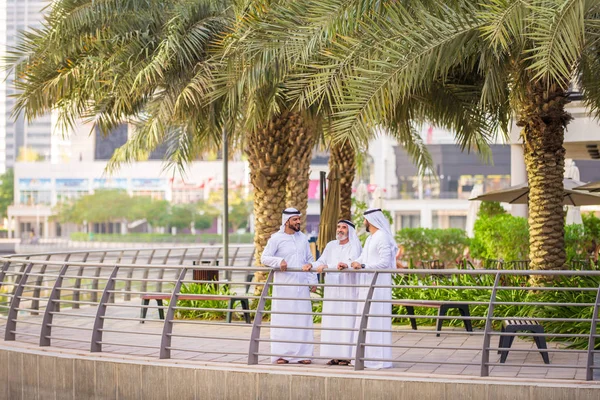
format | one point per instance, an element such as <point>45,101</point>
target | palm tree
<point>152,64</point>
<point>318,48</point>
<point>523,56</point>
<point>343,158</point>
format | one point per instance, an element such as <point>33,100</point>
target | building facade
<point>16,134</point>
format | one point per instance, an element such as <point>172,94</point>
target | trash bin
<point>206,274</point>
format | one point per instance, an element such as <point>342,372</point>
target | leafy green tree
<point>490,209</point>
<point>181,216</point>
<point>155,212</point>
<point>7,190</point>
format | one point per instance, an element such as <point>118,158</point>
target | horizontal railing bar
<point>308,328</point>
<point>37,287</point>
<point>565,335</point>
<point>66,340</point>
<point>72,289</point>
<point>22,321</point>
<point>89,303</point>
<point>70,314</point>
<point>233,353</point>
<point>536,350</point>
<point>149,306</point>
<point>424,316</point>
<point>145,280</point>
<point>537,365</point>
<point>416,302</point>
<point>413,331</point>
<point>190,322</point>
<point>142,346</point>
<point>31,310</point>
<point>303,313</point>
<point>32,298</point>
<point>25,334</point>
<point>216,309</point>
<point>307,342</point>
<point>129,319</point>
<point>211,337</point>
<point>92,278</point>
<point>516,303</point>
<point>116,291</point>
<point>541,319</point>
<point>81,328</point>
<point>288,356</point>
<point>131,332</point>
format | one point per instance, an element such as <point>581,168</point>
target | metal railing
<point>90,300</point>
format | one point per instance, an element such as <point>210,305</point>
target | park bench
<point>232,301</point>
<point>443,308</point>
<point>515,326</point>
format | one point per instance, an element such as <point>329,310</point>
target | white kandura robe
<point>295,250</point>
<point>377,254</point>
<point>333,254</point>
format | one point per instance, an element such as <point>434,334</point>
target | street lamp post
<point>225,203</point>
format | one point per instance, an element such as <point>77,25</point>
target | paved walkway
<point>195,341</point>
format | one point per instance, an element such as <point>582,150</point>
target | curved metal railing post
<point>359,362</point>
<point>165,339</point>
<point>51,307</point>
<point>147,272</point>
<point>485,350</point>
<point>35,304</point>
<point>96,346</point>
<point>161,271</point>
<point>127,296</point>
<point>11,320</point>
<point>97,273</point>
<point>258,316</point>
<point>76,294</point>
<point>589,370</point>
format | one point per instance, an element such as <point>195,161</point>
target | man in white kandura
<point>338,254</point>
<point>289,248</point>
<point>379,253</point>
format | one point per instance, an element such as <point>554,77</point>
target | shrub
<point>501,236</point>
<point>447,245</point>
<point>208,289</point>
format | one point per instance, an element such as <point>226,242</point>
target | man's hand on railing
<point>342,266</point>
<point>355,265</point>
<point>306,267</point>
<point>283,265</point>
<point>321,268</point>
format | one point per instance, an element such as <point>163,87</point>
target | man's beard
<point>295,228</point>
<point>341,237</point>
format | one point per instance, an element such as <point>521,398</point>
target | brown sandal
<point>343,362</point>
<point>282,361</point>
<point>305,362</point>
<point>333,362</point>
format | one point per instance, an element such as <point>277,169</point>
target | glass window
<point>458,221</point>
<point>30,197</point>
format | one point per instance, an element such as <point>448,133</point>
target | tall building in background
<point>16,134</point>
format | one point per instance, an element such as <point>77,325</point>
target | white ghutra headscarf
<point>379,221</point>
<point>287,214</point>
<point>352,236</point>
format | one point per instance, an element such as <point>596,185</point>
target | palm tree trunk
<point>301,144</point>
<point>269,157</point>
<point>343,156</point>
<point>543,118</point>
